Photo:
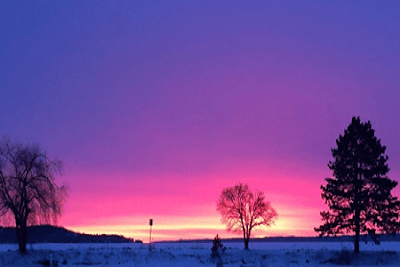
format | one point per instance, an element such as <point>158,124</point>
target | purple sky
<point>163,99</point>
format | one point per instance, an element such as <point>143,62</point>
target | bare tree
<point>27,187</point>
<point>242,210</point>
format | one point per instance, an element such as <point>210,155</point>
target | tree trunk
<point>22,235</point>
<point>357,236</point>
<point>247,239</point>
<point>357,240</point>
<point>357,210</point>
<point>246,243</point>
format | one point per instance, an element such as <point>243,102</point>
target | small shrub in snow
<point>217,247</point>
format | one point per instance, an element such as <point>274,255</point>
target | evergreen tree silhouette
<point>359,193</point>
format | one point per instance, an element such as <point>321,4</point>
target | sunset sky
<point>155,106</point>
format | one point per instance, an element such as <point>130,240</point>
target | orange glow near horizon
<point>194,228</point>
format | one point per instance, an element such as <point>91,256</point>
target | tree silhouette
<point>359,194</point>
<point>27,187</point>
<point>242,210</point>
<point>217,247</point>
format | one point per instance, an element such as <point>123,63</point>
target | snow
<point>314,254</point>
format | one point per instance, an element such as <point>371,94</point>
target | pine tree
<point>217,247</point>
<point>359,193</point>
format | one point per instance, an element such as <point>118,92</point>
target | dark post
<point>151,224</point>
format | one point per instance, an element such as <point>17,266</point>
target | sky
<point>155,106</point>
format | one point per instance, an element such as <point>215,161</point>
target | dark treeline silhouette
<point>54,234</point>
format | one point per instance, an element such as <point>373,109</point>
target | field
<point>198,254</point>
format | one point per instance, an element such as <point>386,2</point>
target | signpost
<point>151,225</point>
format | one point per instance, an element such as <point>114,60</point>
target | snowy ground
<point>198,254</point>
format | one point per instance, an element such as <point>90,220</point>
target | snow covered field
<point>198,254</point>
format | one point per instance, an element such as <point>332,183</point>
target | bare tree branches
<point>242,210</point>
<point>27,186</point>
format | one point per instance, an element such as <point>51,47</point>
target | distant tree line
<point>54,234</point>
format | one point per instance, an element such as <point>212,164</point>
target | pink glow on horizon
<point>155,106</point>
<point>187,207</point>
<point>178,215</point>
<point>191,228</point>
